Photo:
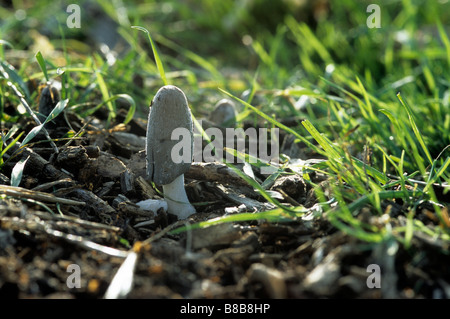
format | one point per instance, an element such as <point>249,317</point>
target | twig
<point>163,232</point>
<point>40,196</point>
<point>51,184</point>
<point>84,223</point>
<point>92,200</point>
<point>37,164</point>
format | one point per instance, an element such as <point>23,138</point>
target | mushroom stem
<point>177,200</point>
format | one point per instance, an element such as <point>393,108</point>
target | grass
<point>376,102</point>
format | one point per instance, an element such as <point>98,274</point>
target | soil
<point>75,214</point>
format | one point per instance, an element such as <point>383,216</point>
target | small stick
<point>51,184</point>
<point>40,196</point>
<point>213,171</point>
<point>158,235</point>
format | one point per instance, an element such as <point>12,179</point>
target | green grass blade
<point>390,116</point>
<point>445,39</point>
<point>409,229</point>
<point>158,61</point>
<point>58,71</point>
<point>342,218</point>
<point>262,53</point>
<point>261,190</point>
<point>255,161</point>
<point>5,149</point>
<point>41,62</point>
<point>438,174</point>
<point>355,232</point>
<point>59,107</point>
<point>323,141</point>
<point>275,215</point>
<point>64,81</point>
<point>273,121</point>
<point>126,97</point>
<point>13,130</point>
<point>32,134</point>
<point>367,104</point>
<point>6,43</point>
<point>415,128</point>
<point>132,108</point>
<point>305,36</point>
<point>106,96</point>
<point>199,60</point>
<point>333,154</point>
<point>54,113</point>
<point>9,73</point>
<point>249,180</point>
<point>17,172</point>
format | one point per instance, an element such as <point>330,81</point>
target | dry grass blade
<point>122,282</point>
<point>40,196</point>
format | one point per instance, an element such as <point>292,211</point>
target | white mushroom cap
<point>169,111</point>
<point>224,113</point>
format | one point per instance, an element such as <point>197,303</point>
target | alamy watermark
<point>225,140</point>
<point>74,18</point>
<point>262,144</point>
<point>374,279</point>
<point>374,19</point>
<point>74,279</point>
<point>222,143</point>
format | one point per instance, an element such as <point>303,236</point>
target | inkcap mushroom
<point>47,101</point>
<point>170,112</point>
<point>224,113</point>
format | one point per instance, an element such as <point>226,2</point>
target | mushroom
<point>224,113</point>
<point>47,101</point>
<point>170,112</point>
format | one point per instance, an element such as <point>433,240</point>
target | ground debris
<point>215,236</point>
<point>272,280</point>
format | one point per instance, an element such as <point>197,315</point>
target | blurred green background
<point>235,36</point>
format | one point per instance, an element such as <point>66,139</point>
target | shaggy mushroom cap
<point>47,101</point>
<point>224,113</point>
<point>169,111</point>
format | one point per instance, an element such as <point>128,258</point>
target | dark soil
<point>103,172</point>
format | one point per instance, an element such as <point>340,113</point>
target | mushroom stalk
<point>176,198</point>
